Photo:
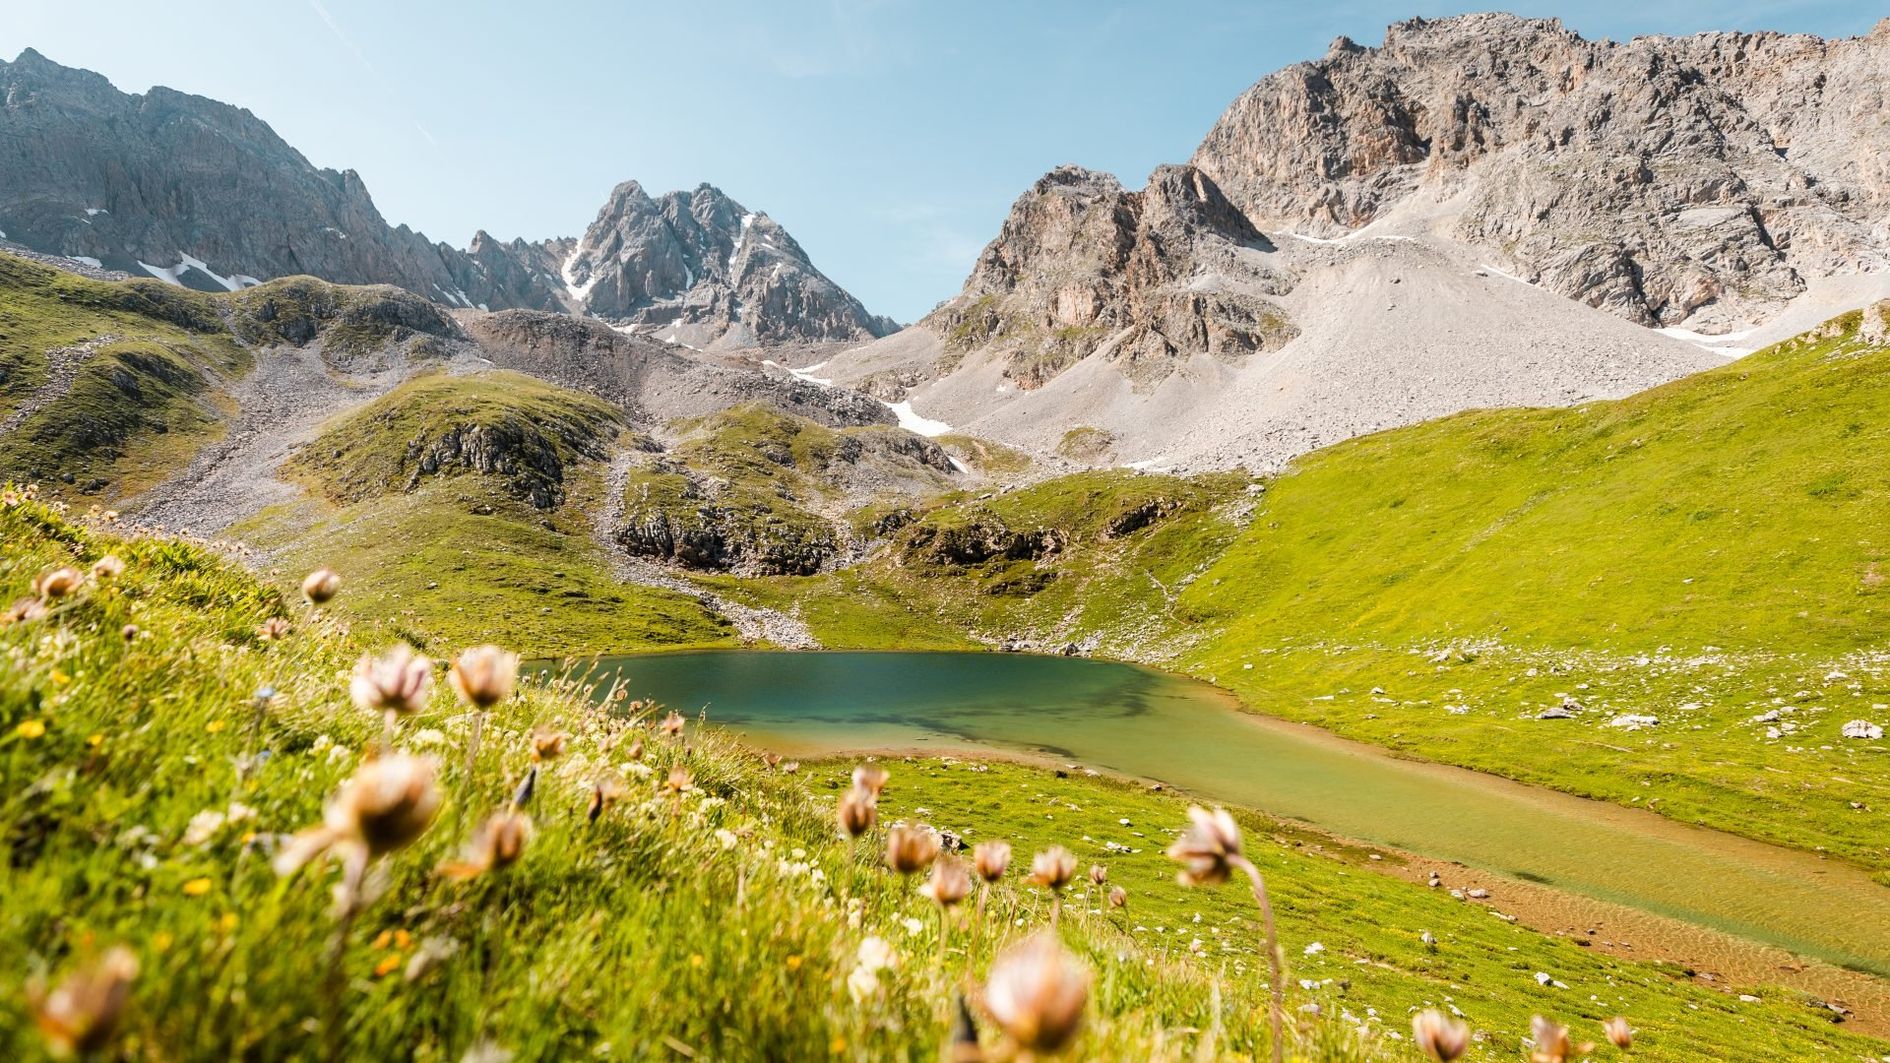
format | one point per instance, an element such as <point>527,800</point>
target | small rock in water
<point>1863,729</point>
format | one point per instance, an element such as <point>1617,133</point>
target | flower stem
<point>1275,958</point>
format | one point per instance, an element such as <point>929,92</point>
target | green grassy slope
<point>136,408</point>
<point>1705,553</point>
<point>491,539</point>
<point>1095,558</point>
<point>723,924</point>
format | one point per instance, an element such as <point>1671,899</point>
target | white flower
<point>429,736</point>
<point>203,826</point>
<point>727,837</point>
<point>876,953</point>
<point>862,983</point>
<point>913,926</point>
<point>1313,949</point>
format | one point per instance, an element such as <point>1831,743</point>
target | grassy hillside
<point>106,388</point>
<point>1705,554</point>
<point>754,489</point>
<point>145,794</point>
<point>1095,559</point>
<point>460,509</point>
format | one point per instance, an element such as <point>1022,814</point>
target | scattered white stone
<point>1315,949</point>
<point>1863,729</point>
<point>1633,722</point>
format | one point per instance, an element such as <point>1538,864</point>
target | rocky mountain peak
<point>699,268</point>
<point>1705,178</point>
<point>1146,278</point>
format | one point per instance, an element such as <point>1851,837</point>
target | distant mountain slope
<point>1668,179</point>
<point>1486,211</point>
<point>206,195</point>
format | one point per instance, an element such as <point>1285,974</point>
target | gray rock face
<point>1083,265</point>
<point>139,182</point>
<point>206,195</point>
<point>699,267</point>
<point>1656,179</point>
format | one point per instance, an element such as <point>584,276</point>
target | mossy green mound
<point>523,431</point>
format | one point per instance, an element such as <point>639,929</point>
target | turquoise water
<point>1122,719</point>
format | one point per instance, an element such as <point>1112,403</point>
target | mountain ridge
<point>207,195</point>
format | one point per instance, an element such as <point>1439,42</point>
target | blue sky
<point>890,136</point>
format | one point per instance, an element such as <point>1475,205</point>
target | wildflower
<point>635,752</point>
<point>547,743</point>
<point>791,767</point>
<point>81,1014</point>
<point>1208,849</point>
<point>1038,992</point>
<point>196,887</point>
<point>727,838</point>
<point>856,812</point>
<point>870,777</point>
<point>273,629</point>
<point>388,965</point>
<point>1209,852</point>
<point>1552,1043</point>
<point>991,859</point>
<point>1618,1033</point>
<point>497,844</point>
<point>949,883</point>
<point>1439,1036</point>
<point>875,955</point>
<point>1054,867</point>
<point>130,632</point>
<point>320,586</point>
<point>910,849</point>
<point>484,675</point>
<point>604,793</point>
<point>24,610</point>
<point>31,729</point>
<point>1098,874</point>
<point>57,582</point>
<point>679,780</point>
<point>389,802</point>
<point>396,683</point>
<point>1118,898</point>
<point>671,726</point>
<point>109,567</point>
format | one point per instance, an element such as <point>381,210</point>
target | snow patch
<point>914,423</point>
<point>1724,345</point>
<point>805,374</point>
<point>1505,274</point>
<point>185,263</point>
<point>88,260</point>
<point>578,293</point>
<point>92,212</point>
<point>740,238</point>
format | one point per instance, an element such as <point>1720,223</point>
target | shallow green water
<point>1132,721</point>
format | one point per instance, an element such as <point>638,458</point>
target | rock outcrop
<point>1663,179</point>
<point>1148,278</point>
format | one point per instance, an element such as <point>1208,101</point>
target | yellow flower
<point>161,941</point>
<point>215,725</point>
<point>228,923</point>
<point>95,740</point>
<point>388,965</point>
<point>30,729</point>
<point>794,962</point>
<point>695,960</point>
<point>383,939</point>
<point>196,887</point>
<point>838,1046</point>
<point>402,939</point>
